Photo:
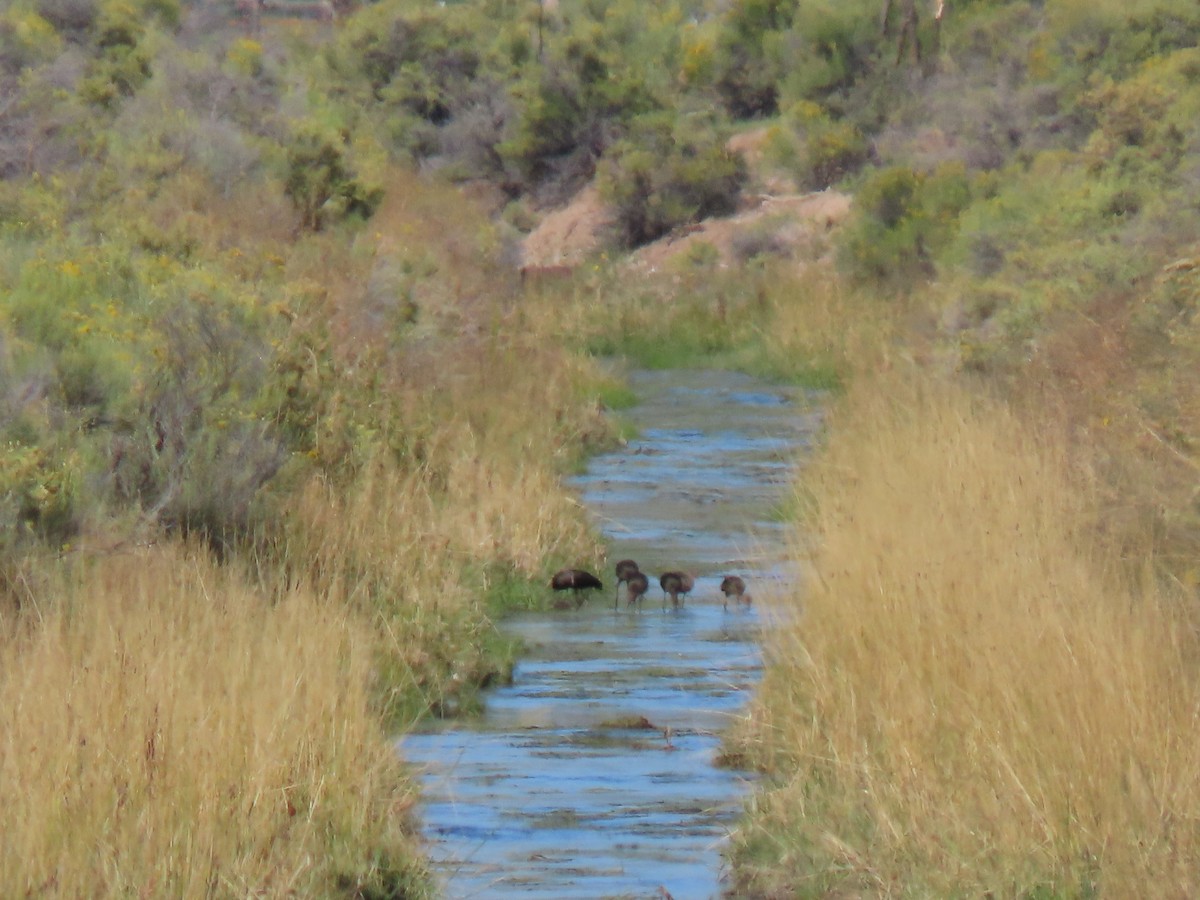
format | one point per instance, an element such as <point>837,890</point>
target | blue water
<point>593,774</point>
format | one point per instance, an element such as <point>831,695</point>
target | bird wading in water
<point>577,581</point>
<point>675,584</point>
<point>625,568</point>
<point>732,586</point>
<point>636,586</point>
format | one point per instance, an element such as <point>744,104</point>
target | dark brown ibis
<point>675,584</point>
<point>577,581</point>
<point>636,586</point>
<point>625,568</point>
<point>689,582</point>
<point>732,586</point>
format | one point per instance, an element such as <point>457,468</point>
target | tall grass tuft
<point>967,699</point>
<point>416,551</point>
<point>776,320</point>
<point>169,732</point>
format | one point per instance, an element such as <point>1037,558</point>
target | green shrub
<point>26,40</point>
<point>831,43</point>
<point>668,173</point>
<point>146,381</point>
<point>418,71</point>
<point>193,119</point>
<point>245,57</point>
<point>551,119</point>
<point>320,181</point>
<point>750,56</point>
<point>417,59</point>
<point>122,63</point>
<point>901,220</point>
<point>194,450</point>
<point>39,494</point>
<point>1113,37</point>
<point>831,152</point>
<point>565,113</point>
<point>1154,111</point>
<point>72,17</point>
<point>119,73</point>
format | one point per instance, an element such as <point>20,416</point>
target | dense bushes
<point>320,180</point>
<point>668,173</point>
<point>751,57</point>
<point>144,377</point>
<point>830,46</point>
<point>568,111</point>
<point>901,220</point>
<point>416,68</point>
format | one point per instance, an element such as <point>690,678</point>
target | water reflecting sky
<point>592,775</point>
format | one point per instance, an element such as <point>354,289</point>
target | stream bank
<point>594,773</point>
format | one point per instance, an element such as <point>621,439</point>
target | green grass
<point>509,591</point>
<point>616,395</point>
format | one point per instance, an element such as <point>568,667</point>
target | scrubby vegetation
<point>282,431</point>
<point>988,685</point>
<point>983,699</point>
<point>272,461</point>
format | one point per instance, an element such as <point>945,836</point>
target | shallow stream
<point>593,774</point>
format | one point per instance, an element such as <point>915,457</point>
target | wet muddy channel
<point>593,774</point>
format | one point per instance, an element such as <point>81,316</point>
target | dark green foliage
<point>26,39</point>
<point>833,151</point>
<point>71,17</point>
<point>830,44</point>
<point>321,182</point>
<point>751,57</point>
<point>668,173</point>
<point>122,64</point>
<point>552,118</point>
<point>1146,124</point>
<point>567,111</point>
<point>457,83</point>
<point>167,13</point>
<point>901,221</point>
<point>1114,41</point>
<point>417,61</point>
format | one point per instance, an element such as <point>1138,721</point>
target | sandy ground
<point>792,225</point>
<point>786,223</point>
<point>568,236</point>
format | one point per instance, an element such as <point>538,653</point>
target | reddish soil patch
<point>567,236</point>
<point>777,220</point>
<point>794,226</point>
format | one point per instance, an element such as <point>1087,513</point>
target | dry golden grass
<point>415,549</point>
<point>778,319</point>
<point>168,732</point>
<point>966,699</point>
<point>455,484</point>
<point>175,727</point>
<point>815,317</point>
